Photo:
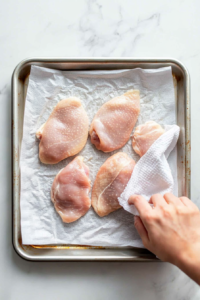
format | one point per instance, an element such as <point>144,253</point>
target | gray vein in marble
<point>105,42</point>
<point>47,26</point>
<point>152,17</point>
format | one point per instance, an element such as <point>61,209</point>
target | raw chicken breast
<point>70,189</point>
<point>114,122</point>
<point>145,135</point>
<point>65,132</point>
<point>110,182</point>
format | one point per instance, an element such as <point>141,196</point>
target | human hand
<point>171,230</point>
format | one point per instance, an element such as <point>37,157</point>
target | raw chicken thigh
<point>70,189</point>
<point>110,182</point>
<point>65,132</point>
<point>114,122</point>
<point>145,135</point>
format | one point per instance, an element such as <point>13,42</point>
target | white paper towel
<point>152,173</point>
<point>40,223</point>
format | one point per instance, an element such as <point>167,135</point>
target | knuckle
<point>154,198</point>
<point>181,211</point>
<point>152,217</point>
<point>170,194</point>
<point>167,213</point>
<point>155,217</point>
<point>167,195</point>
<point>148,217</point>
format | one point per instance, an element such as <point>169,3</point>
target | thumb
<point>141,230</point>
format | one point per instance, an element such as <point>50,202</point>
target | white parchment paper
<point>40,223</point>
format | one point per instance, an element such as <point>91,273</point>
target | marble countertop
<point>78,28</point>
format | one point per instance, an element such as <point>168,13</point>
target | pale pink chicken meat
<point>145,135</point>
<point>65,133</point>
<point>70,190</point>
<point>114,121</point>
<point>110,182</point>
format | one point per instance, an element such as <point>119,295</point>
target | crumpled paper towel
<point>152,173</point>
<point>40,223</point>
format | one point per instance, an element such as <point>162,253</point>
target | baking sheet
<point>40,223</point>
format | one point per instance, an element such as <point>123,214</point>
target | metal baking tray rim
<point>20,249</point>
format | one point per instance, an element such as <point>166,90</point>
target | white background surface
<point>93,28</point>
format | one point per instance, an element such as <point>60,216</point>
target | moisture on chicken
<point>65,133</point>
<point>70,190</point>
<point>110,182</point>
<point>145,135</point>
<point>114,122</point>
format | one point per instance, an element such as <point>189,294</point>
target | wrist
<point>186,256</point>
<point>189,262</point>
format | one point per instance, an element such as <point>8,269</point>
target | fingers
<point>184,200</point>
<point>157,200</point>
<point>141,204</point>
<point>188,203</point>
<point>141,230</point>
<point>171,199</point>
